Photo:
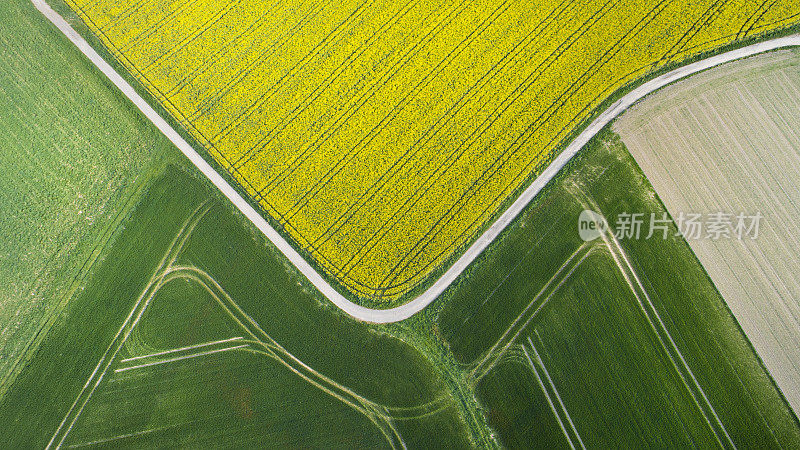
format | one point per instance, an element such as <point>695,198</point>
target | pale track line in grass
<point>553,387</point>
<point>643,298</point>
<point>116,438</point>
<point>377,416</point>
<point>672,344</point>
<point>494,354</point>
<point>166,272</point>
<point>382,416</point>
<point>610,243</point>
<point>130,321</point>
<point>548,398</point>
<point>180,358</point>
<point>175,350</point>
<point>488,236</point>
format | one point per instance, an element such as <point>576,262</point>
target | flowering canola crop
<point>384,134</point>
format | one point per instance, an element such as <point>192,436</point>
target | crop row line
<point>393,171</point>
<point>331,38</point>
<point>460,150</point>
<point>190,37</point>
<point>363,98</point>
<point>527,134</point>
<point>262,57</point>
<point>342,162</point>
<point>270,135</point>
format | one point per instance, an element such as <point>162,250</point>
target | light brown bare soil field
<point>728,140</point>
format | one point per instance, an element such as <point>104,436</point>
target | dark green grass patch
<point>502,285</point>
<point>188,272</point>
<point>599,354</point>
<point>46,388</point>
<point>228,399</point>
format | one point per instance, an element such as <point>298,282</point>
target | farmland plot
<point>727,141</point>
<point>650,404</point>
<point>73,161</point>
<point>611,342</point>
<point>172,343</point>
<point>382,136</point>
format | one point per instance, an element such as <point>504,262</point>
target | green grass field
<point>629,335</point>
<point>92,199</point>
<point>160,317</point>
<point>74,160</point>
<point>267,361</point>
<point>606,364</point>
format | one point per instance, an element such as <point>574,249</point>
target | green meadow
<point>138,308</point>
<point>622,342</point>
<point>74,160</point>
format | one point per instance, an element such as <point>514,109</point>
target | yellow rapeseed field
<point>383,134</point>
